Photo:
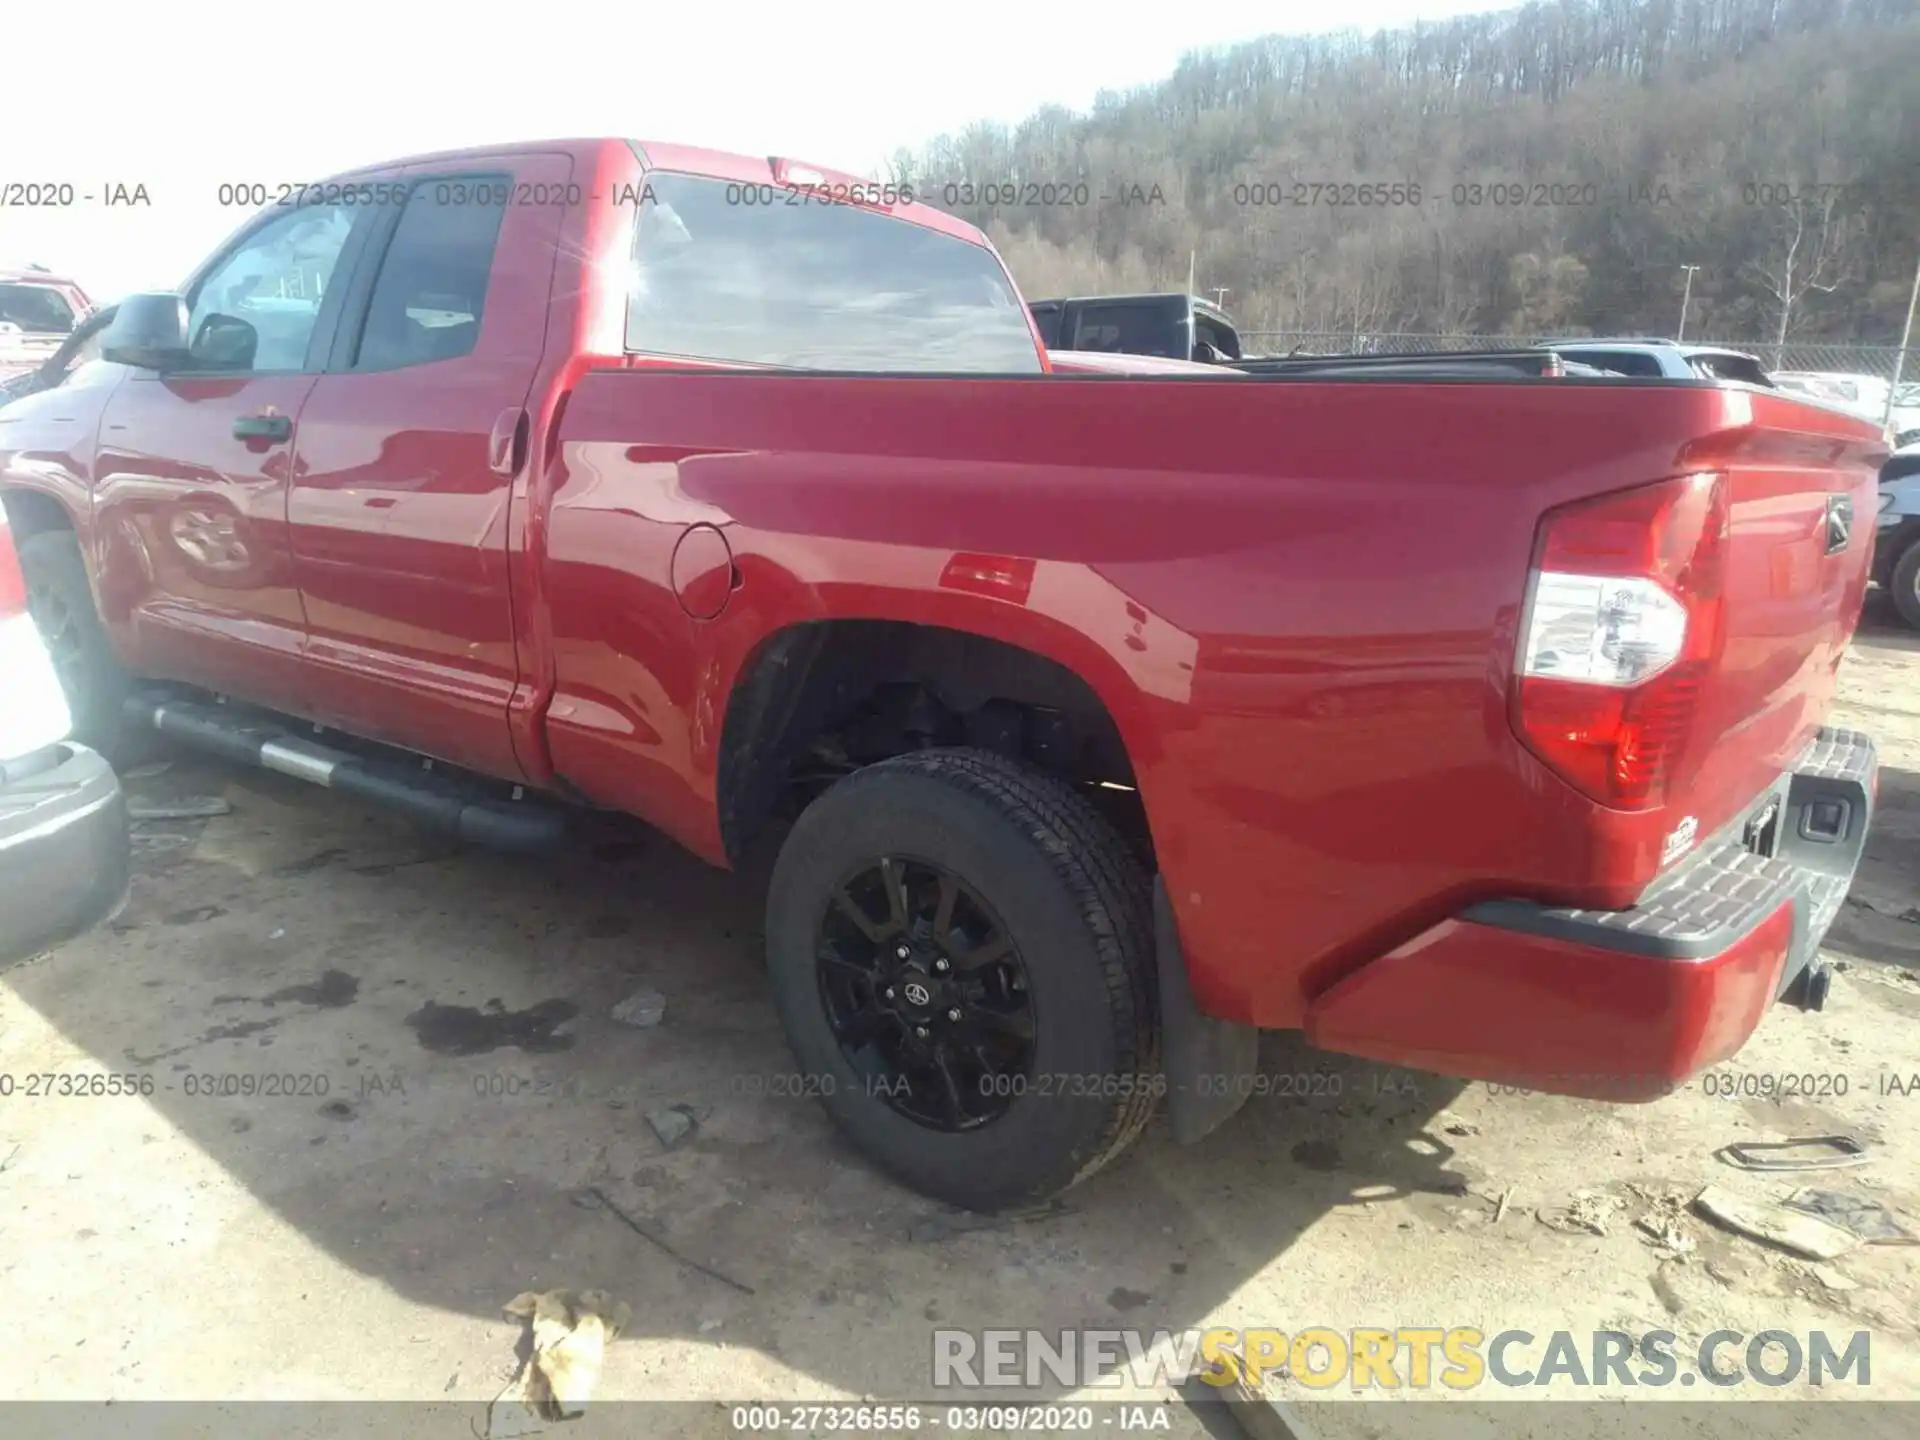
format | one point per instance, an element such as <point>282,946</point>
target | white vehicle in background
<point>1653,358</point>
<point>63,822</point>
<point>1906,413</point>
<point>1896,536</point>
<point>1863,395</point>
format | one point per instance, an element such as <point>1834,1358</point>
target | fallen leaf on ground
<point>570,1335</point>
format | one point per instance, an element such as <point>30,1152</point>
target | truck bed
<point>1303,620</point>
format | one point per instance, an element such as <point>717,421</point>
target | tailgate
<point>1799,542</point>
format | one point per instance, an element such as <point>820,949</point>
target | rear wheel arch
<point>876,688</point>
<point>30,512</point>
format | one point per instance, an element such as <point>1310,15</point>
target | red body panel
<point>1490,1004</point>
<point>1791,606</point>
<point>1298,598</point>
<point>191,562</point>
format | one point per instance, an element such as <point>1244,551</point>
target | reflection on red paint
<point>998,577</point>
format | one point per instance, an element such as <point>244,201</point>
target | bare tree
<point>1807,246</point>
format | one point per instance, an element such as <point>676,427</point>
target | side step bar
<point>442,800</point>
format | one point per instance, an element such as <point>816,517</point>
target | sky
<point>182,98</point>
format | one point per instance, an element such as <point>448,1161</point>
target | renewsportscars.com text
<point>1415,1358</point>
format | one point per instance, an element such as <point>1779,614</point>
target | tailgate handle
<point>507,442</point>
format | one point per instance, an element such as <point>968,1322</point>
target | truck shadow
<point>458,1117</point>
<point>1879,926</point>
<point>1882,628</point>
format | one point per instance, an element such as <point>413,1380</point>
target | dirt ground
<point>463,1120</point>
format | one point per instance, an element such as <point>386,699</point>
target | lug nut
<point>953,1014</point>
<point>940,967</point>
<point>887,994</point>
<point>901,952</point>
<point>921,1031</point>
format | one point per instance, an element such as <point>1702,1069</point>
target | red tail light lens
<point>13,585</point>
<point>1623,626</point>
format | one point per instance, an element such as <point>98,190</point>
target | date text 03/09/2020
<point>910,1419</point>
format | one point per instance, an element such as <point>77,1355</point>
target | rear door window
<point>431,291</point>
<point>1220,337</point>
<point>735,273</point>
<point>1135,328</point>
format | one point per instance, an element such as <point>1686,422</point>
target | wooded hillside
<point>1569,159</point>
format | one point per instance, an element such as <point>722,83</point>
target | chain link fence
<point>1795,355</point>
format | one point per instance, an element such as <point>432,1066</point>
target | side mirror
<point>148,331</point>
<point>225,342</point>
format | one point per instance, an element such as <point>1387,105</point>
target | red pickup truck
<point>1473,724</point>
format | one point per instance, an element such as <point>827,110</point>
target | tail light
<point>13,585</point>
<point>1623,625</point>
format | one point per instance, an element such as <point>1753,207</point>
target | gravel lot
<point>459,1119</point>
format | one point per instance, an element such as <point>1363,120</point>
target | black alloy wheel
<point>926,993</point>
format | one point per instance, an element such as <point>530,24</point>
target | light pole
<point>1900,355</point>
<point>1685,296</point>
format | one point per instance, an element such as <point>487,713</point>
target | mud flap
<point>1210,1064</point>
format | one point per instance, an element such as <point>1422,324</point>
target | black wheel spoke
<point>950,1101</point>
<point>863,1027</point>
<point>989,952</point>
<point>874,930</point>
<point>846,969</point>
<point>1014,1023</point>
<point>893,876</point>
<point>943,908</point>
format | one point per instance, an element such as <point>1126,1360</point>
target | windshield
<point>35,308</point>
<point>732,272</point>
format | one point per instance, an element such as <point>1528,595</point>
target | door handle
<point>263,427</point>
<point>507,442</point>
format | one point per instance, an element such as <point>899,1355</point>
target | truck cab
<point>1172,327</point>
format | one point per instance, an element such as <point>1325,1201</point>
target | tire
<point>61,603</point>
<point>1904,583</point>
<point>1075,905</point>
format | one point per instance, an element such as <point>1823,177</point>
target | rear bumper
<point>63,852</point>
<point>1625,1004</point>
